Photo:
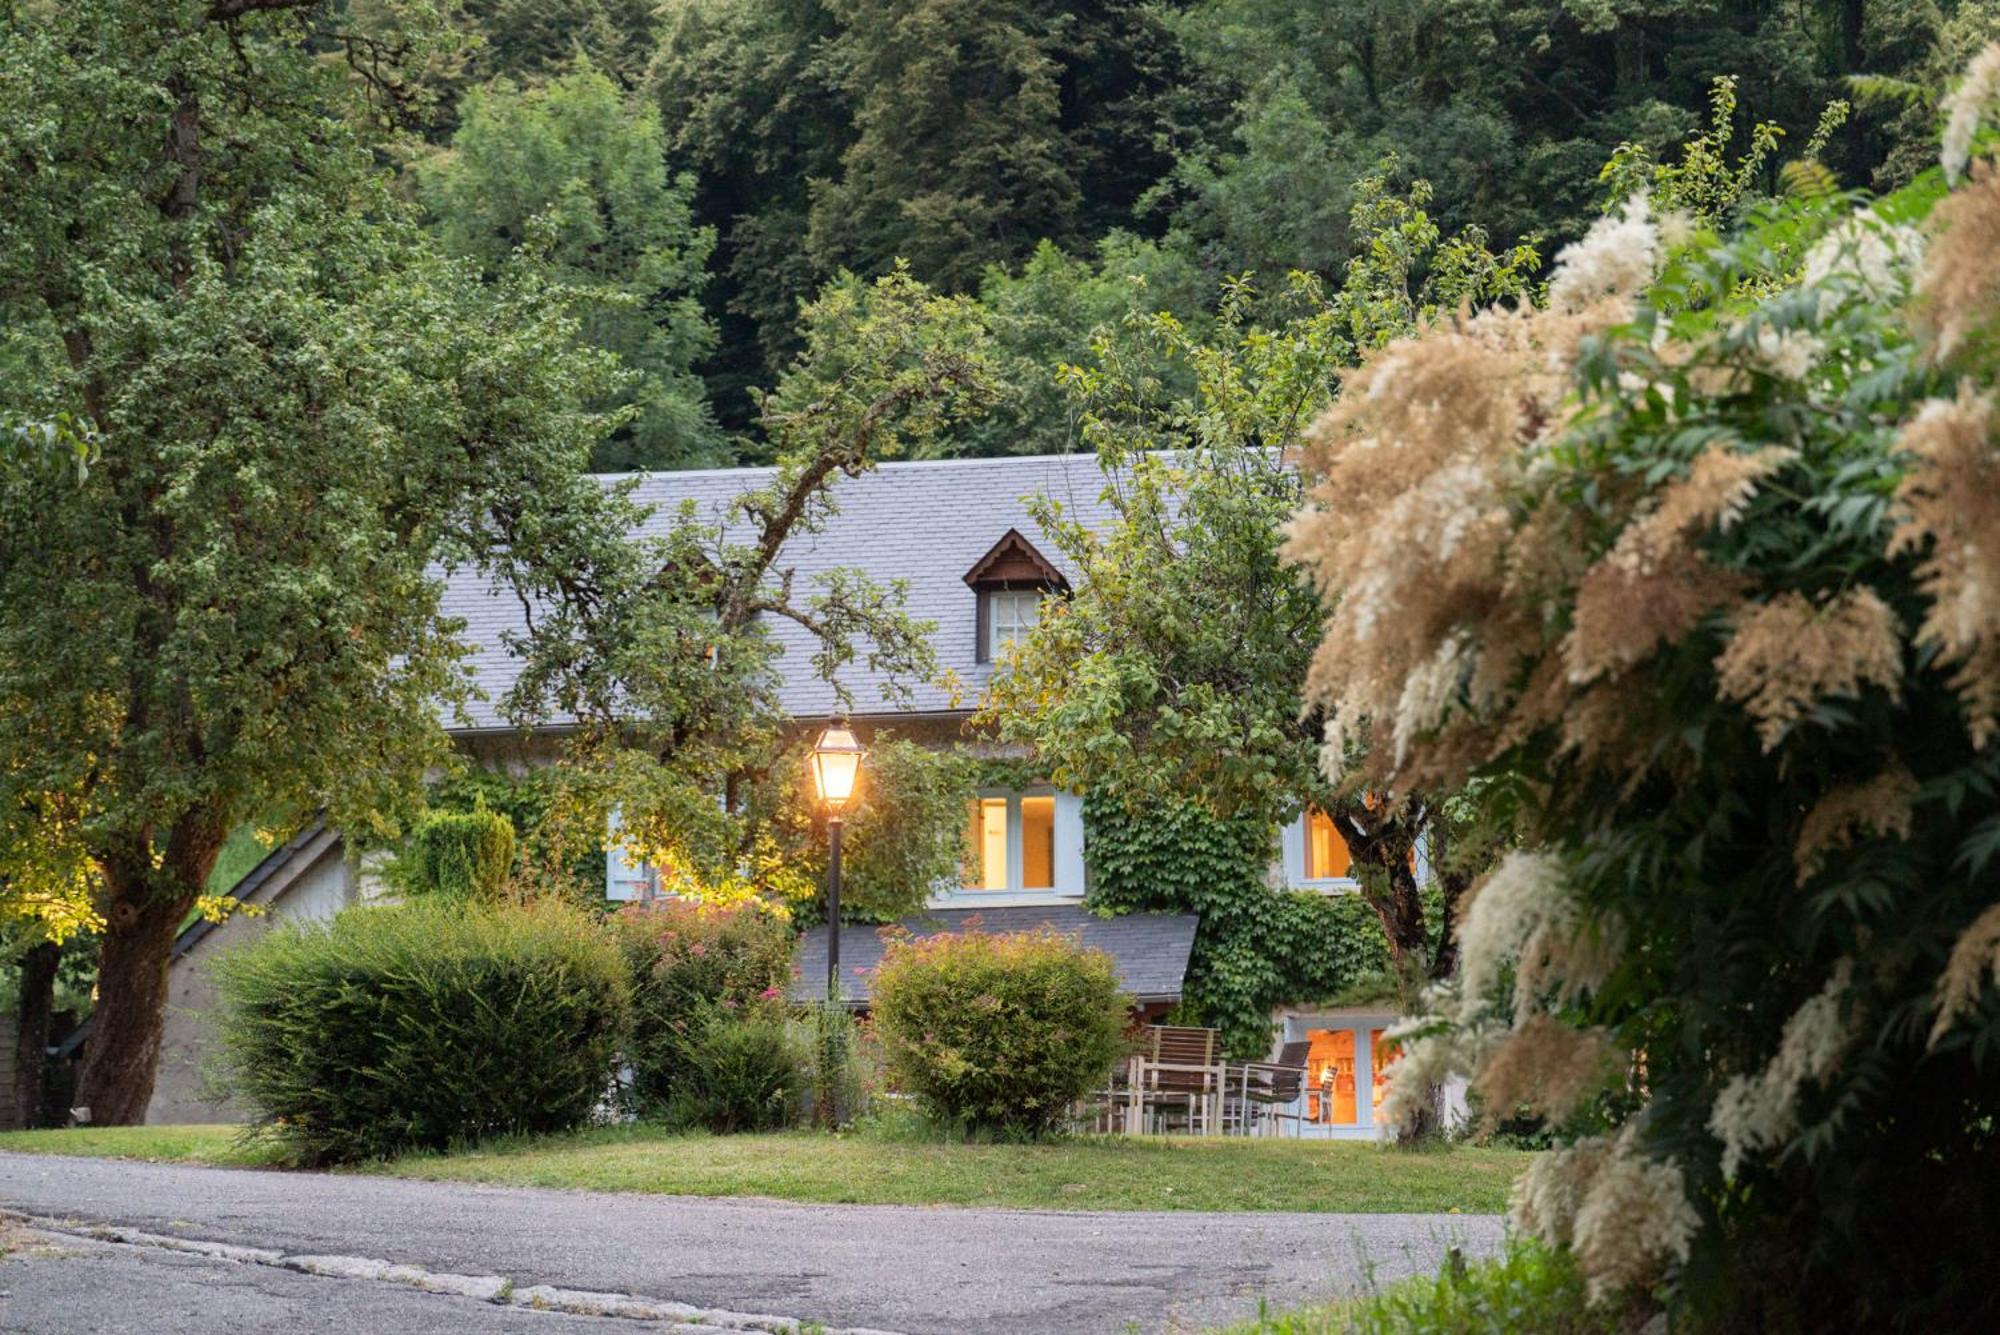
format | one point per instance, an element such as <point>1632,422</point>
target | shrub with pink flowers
<point>998,1032</point>
<point>695,968</point>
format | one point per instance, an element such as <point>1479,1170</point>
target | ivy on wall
<point>1258,947</point>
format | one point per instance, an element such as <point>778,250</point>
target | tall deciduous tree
<point>661,650</point>
<point>578,174</point>
<point>1178,668</point>
<point>751,105</point>
<point>299,405</point>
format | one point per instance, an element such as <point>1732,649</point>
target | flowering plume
<point>1976,955</point>
<point>1525,916</point>
<point>1625,1214</point>
<point>1965,107</point>
<point>1786,655</point>
<point>1880,806</point>
<point>1951,499</point>
<point>1959,287</point>
<point>1408,522</point>
<point>1862,258</point>
<point>1545,1066</point>
<point>1759,1111</point>
<point>1422,1064</point>
<point>1616,259</point>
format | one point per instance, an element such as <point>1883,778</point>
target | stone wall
<point>318,883</point>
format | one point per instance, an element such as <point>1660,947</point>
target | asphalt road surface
<point>882,1268</point>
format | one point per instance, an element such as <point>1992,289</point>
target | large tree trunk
<point>148,903</point>
<point>31,1054</point>
<point>122,1055</point>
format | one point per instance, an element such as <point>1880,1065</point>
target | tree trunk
<point>122,1054</point>
<point>31,1054</point>
<point>1628,46</point>
<point>1385,849</point>
<point>1853,23</point>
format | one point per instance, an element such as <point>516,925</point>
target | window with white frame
<point>1326,852</point>
<point>1023,843</point>
<point>1010,614</point>
<point>1315,855</point>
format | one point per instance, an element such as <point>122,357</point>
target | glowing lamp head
<point>836,765</point>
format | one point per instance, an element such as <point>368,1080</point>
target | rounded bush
<point>688,964</point>
<point>423,1025</point>
<point>998,1032</point>
<point>458,854</point>
<point>743,1069</point>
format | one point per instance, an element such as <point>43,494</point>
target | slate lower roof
<point>1150,949</point>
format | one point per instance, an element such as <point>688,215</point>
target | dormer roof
<point>1013,563</point>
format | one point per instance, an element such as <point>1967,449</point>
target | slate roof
<point>924,522</point>
<point>1151,949</point>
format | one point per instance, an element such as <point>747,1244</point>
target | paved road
<point>917,1270</point>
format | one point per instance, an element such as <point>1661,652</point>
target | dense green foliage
<point>1257,947</point>
<point>997,1032</point>
<point>1730,604</point>
<point>738,1068</point>
<point>422,1026</point>
<point>693,969</point>
<point>576,176</point>
<point>555,855</point>
<point>457,854</point>
<point>1225,135</point>
<point>300,407</point>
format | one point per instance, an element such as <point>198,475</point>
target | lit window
<point>1010,842</point>
<point>986,845</point>
<point>1010,614</point>
<point>1326,851</point>
<point>1038,843</point>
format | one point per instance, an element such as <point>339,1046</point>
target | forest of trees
<point>710,164</point>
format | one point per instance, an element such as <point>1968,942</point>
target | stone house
<point>960,536</point>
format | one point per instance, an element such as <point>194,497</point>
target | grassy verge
<point>1525,1288</point>
<point>1096,1173</point>
<point>223,1145</point>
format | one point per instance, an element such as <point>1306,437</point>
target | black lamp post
<point>836,768</point>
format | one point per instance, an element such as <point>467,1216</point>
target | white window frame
<point>625,880</point>
<point>997,638</point>
<point>1298,1024</point>
<point>1293,847</point>
<point>1069,874</point>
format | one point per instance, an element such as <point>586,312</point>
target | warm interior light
<point>836,765</point>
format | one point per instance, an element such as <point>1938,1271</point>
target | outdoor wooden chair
<point>1269,1093</point>
<point>1178,1068</point>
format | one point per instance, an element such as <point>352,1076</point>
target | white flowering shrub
<point>1699,564</point>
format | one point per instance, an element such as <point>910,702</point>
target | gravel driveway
<point>894,1268</point>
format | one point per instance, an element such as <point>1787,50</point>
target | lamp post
<point>836,767</point>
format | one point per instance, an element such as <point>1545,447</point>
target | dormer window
<point>1010,614</point>
<point>1010,582</point>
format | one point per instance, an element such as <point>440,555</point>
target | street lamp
<point>836,766</point>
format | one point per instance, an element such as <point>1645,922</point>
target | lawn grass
<point>223,1145</point>
<point>1088,1173</point>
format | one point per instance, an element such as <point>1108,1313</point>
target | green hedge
<point>423,1025</point>
<point>691,966</point>
<point>998,1032</point>
<point>457,854</point>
